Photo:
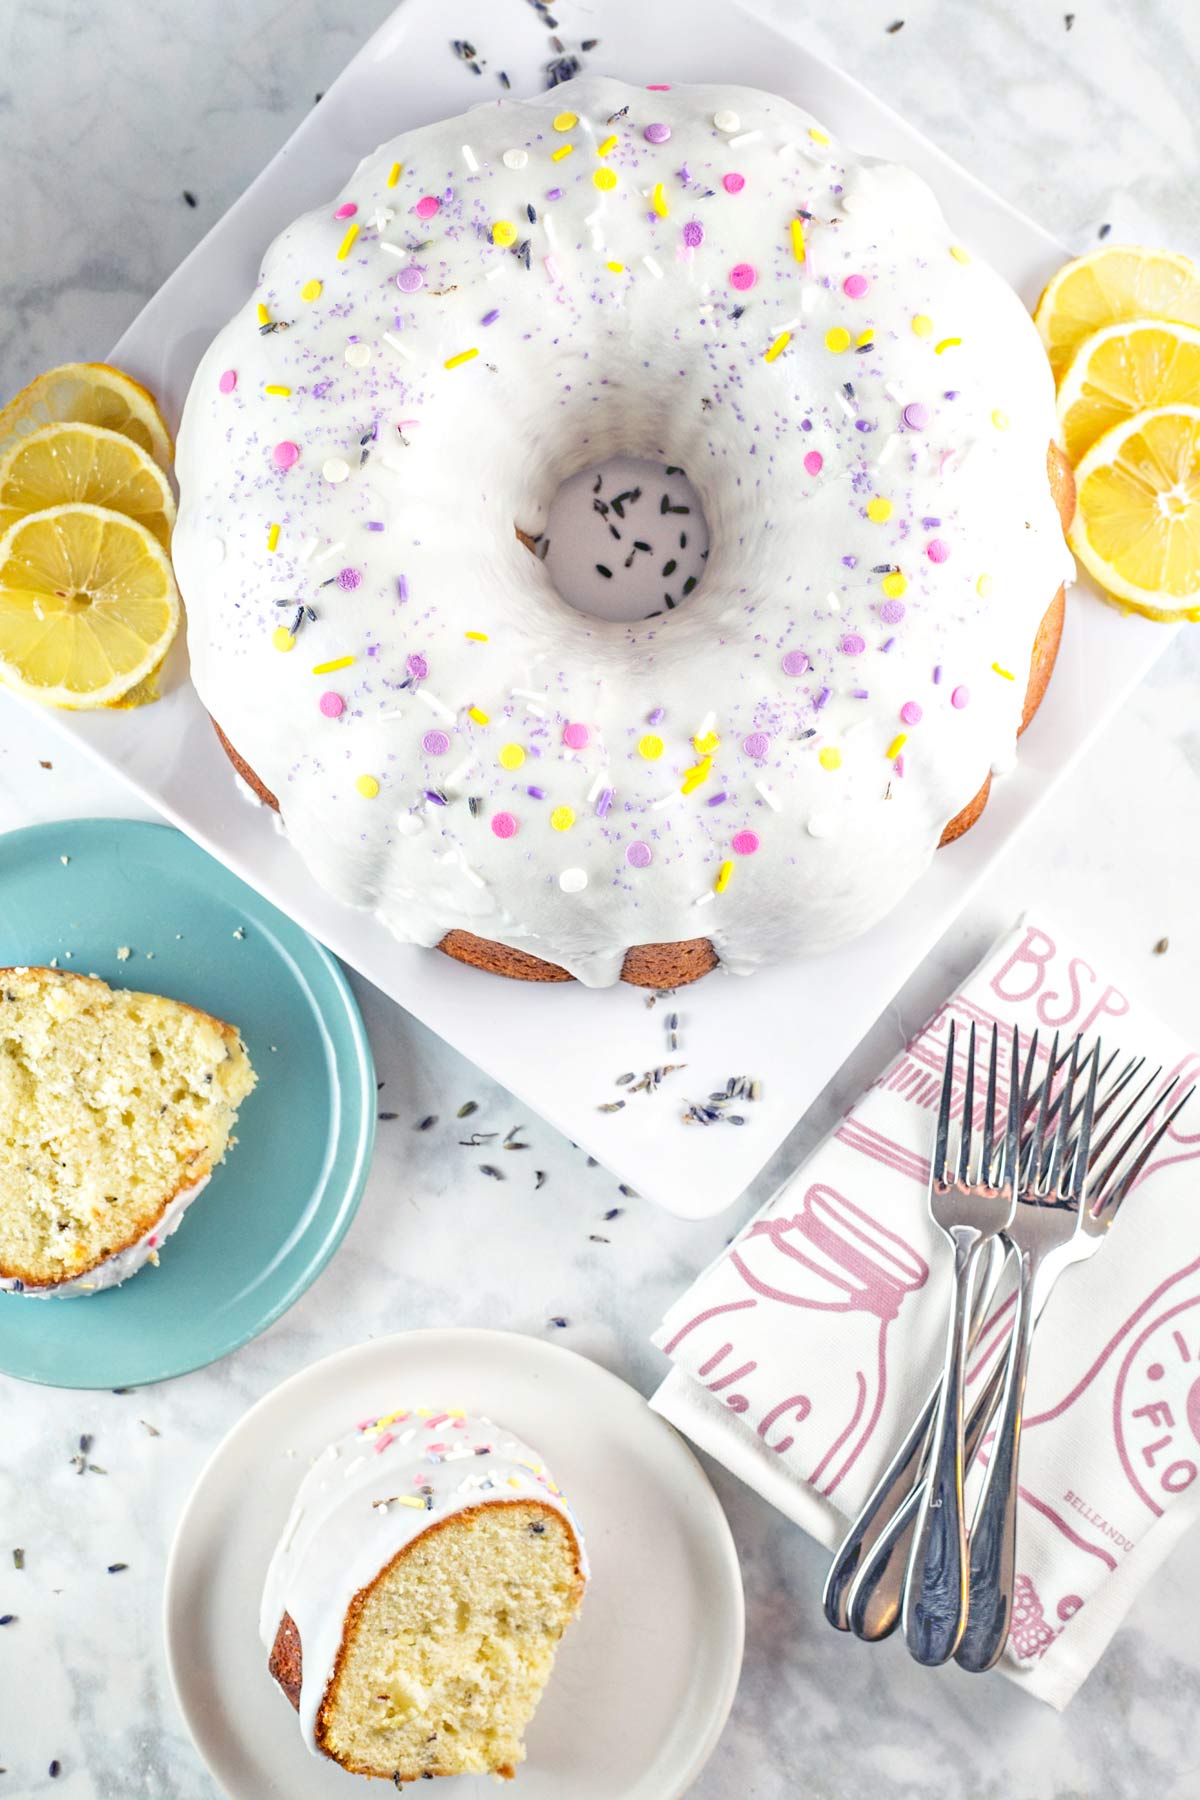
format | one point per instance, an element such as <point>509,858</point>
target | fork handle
<point>935,1588</point>
<point>994,1527</point>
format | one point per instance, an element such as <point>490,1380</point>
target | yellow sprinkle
<point>394,174</point>
<point>282,638</point>
<point>480,717</point>
<point>605,178</point>
<point>983,586</point>
<point>264,317</point>
<point>273,387</point>
<point>778,347</point>
<point>562,818</point>
<point>797,229</point>
<point>566,121</point>
<point>658,200</point>
<point>367,786</point>
<point>409,1499</point>
<point>617,268</point>
<point>504,233</point>
<point>1007,673</point>
<point>830,758</point>
<point>1000,420</point>
<point>511,756</point>
<point>272,537</point>
<point>864,338</point>
<point>837,339</point>
<point>693,777</point>
<point>608,144</point>
<point>650,747</point>
<point>347,243</point>
<point>463,356</point>
<point>879,510</point>
<point>894,585</point>
<point>311,290</point>
<point>959,254</point>
<point>896,746</point>
<point>563,150</point>
<point>947,344</point>
<point>514,1481</point>
<point>707,744</point>
<point>477,637</point>
<point>327,668</point>
<point>724,877</point>
<point>923,325</point>
<point>818,136</point>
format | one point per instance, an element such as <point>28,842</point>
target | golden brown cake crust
<point>675,965</point>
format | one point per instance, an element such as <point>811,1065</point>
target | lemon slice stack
<point>88,602</point>
<point>1122,330</point>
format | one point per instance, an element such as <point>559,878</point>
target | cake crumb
<point>124,953</point>
<point>1162,946</point>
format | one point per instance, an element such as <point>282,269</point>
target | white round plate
<point>644,1679</point>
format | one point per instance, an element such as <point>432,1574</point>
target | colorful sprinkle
<point>916,415</point>
<point>562,818</point>
<point>852,644</point>
<point>960,696</point>
<point>910,713</point>
<point>855,287</point>
<point>504,233</point>
<point>639,855</point>
<point>511,756</point>
<point>609,144</point>
<point>604,179</point>
<point>504,825</point>
<point>693,234</point>
<point>347,243</point>
<point>724,877</point>
<point>410,281</point>
<point>479,716</point>
<point>563,150</point>
<point>657,133</point>
<point>959,254</point>
<point>331,704</point>
<point>331,668</point>
<point>923,325</point>
<point>795,662</point>
<point>1006,673</point>
<point>272,536</point>
<point>818,136</point>
<point>393,174</point>
<point>796,230</point>
<point>837,339</point>
<point>476,637</point>
<point>515,158</point>
<point>814,462</point>
<point>435,743</point>
<point>745,843</point>
<point>346,211</point>
<point>576,737</point>
<point>727,121</point>
<point>286,454</point>
<point>658,201</point>
<point>573,881</point>
<point>983,586</point>
<point>937,550</point>
<point>896,746</point>
<point>367,786</point>
<point>464,356</point>
<point>311,290</point>
<point>894,585</point>
<point>777,348</point>
<point>417,667</point>
<point>733,183</point>
<point>282,638</point>
<point>427,206</point>
<point>651,747</point>
<point>280,392</point>
<point>335,469</point>
<point>489,318</point>
<point>879,510</point>
<point>743,276</point>
<point>830,758</point>
<point>261,314</point>
<point>349,579</point>
<point>228,381</point>
<point>565,121</point>
<point>946,344</point>
<point>1000,420</point>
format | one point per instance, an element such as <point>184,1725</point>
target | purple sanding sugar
<point>320,389</point>
<point>418,667</point>
<point>849,562</point>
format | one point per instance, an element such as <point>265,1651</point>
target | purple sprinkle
<point>554,194</point>
<point>410,281</point>
<point>930,524</point>
<point>805,424</point>
<point>916,415</point>
<point>950,394</point>
<point>717,799</point>
<point>937,674</point>
<point>657,134</point>
<point>374,524</point>
<point>349,579</point>
<point>693,236</point>
<point>861,694</point>
<point>892,611</point>
<point>320,389</point>
<point>402,587</point>
<point>436,743</point>
<point>490,317</point>
<point>638,856</point>
<point>536,793</point>
<point>418,668</point>
<point>603,802</point>
<point>822,697</point>
<point>852,644</point>
<point>756,745</point>
<point>657,716</point>
<point>887,643</point>
<point>437,799</point>
<point>795,663</point>
<point>849,562</point>
<point>864,425</point>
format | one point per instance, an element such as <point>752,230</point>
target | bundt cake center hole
<point>626,539</point>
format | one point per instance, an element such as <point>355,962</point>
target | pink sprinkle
<point>658,87</point>
<point>898,764</point>
<point>796,663</point>
<point>657,134</point>
<point>853,645</point>
<point>892,611</point>
<point>733,183</point>
<point>432,1424</point>
<point>332,705</point>
<point>389,1437</point>
<point>436,743</point>
<point>228,381</point>
<point>745,843</point>
<point>743,276</point>
<point>693,234</point>
<point>814,462</point>
<point>152,1242</point>
<point>349,579</point>
<point>286,454</point>
<point>418,667</point>
<point>756,745</point>
<point>639,856</point>
<point>855,286</point>
<point>426,206</point>
<point>960,696</point>
<point>576,737</point>
<point>347,211</point>
<point>910,713</point>
<point>410,281</point>
<point>504,825</point>
<point>916,415</point>
<point>937,550</point>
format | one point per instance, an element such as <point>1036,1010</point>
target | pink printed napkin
<point>802,1353</point>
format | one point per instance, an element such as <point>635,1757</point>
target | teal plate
<point>276,1210</point>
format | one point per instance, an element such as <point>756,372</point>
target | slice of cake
<point>414,1604</point>
<point>115,1108</point>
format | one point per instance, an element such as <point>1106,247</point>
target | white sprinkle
<point>888,448</point>
<point>648,262</point>
<point>705,899</point>
<point>381,218</point>
<point>515,159</point>
<point>706,724</point>
<point>348,1471</point>
<point>727,121</point>
<point>550,227</point>
<point>599,782</point>
<point>331,550</point>
<point>393,343</point>
<point>808,299</point>
<point>539,712</point>
<point>392,249</point>
<point>551,268</point>
<point>358,355</point>
<point>823,825</point>
<point>527,694</point>
<point>464,768</point>
<point>667,800</point>
<point>305,552</point>
<point>434,704</point>
<point>832,601</point>
<point>470,158</point>
<point>849,410</point>
<point>746,137</point>
<point>335,469</point>
<point>788,149</point>
<point>573,881</point>
<point>768,795</point>
<point>409,824</point>
<point>495,273</point>
<point>891,393</point>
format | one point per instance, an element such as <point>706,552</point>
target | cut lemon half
<point>60,463</point>
<point>88,605</point>
<point>1109,287</point>
<point>1122,370</point>
<point>1137,525</point>
<point>88,394</point>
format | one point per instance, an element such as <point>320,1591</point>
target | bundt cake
<point>698,275</point>
<point>115,1108</point>
<point>413,1607</point>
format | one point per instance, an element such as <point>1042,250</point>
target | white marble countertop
<point>110,115</point>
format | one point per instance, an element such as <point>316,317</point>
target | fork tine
<point>1012,1144</point>
<point>942,1138</point>
<point>989,1112</point>
<point>968,1113</point>
<point>1108,1205</point>
<point>1037,1088</point>
<point>1057,1150</point>
<point>1079,1149</point>
<point>1115,1125</point>
<point>1118,1156</point>
<point>1039,1148</point>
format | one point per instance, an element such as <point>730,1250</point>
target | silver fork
<point>1051,1230</point>
<point>874,1601</point>
<point>971,1209</point>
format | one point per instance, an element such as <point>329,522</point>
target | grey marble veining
<point>108,112</point>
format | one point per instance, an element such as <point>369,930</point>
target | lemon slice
<point>88,394</point>
<point>1110,286</point>
<point>1123,370</point>
<point>85,462</point>
<point>1137,525</point>
<point>88,605</point>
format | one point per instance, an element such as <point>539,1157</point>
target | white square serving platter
<point>560,1048</point>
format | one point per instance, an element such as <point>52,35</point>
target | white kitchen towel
<point>802,1353</point>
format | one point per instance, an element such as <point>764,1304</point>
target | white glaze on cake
<point>366,1498</point>
<point>617,331</point>
<point>122,1263</point>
